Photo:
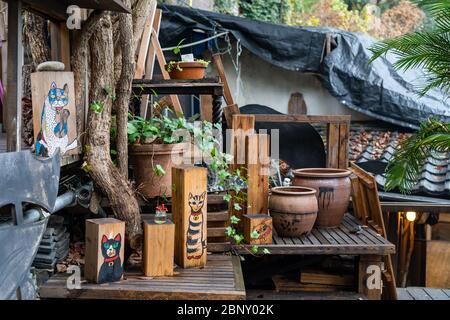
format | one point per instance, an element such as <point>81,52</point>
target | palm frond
<point>426,50</point>
<point>405,167</point>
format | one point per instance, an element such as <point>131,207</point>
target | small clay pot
<point>189,71</point>
<point>294,210</point>
<point>333,192</point>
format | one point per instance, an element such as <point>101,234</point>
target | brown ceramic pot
<point>293,209</point>
<point>189,71</point>
<point>333,192</point>
<point>145,157</point>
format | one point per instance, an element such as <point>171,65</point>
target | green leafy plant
<point>176,65</point>
<point>427,50</point>
<point>161,130</point>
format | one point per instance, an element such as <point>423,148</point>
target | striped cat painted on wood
<point>196,240</point>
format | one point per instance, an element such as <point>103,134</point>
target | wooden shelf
<point>322,241</point>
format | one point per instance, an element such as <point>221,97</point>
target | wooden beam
<point>221,70</point>
<point>14,90</point>
<point>332,145</point>
<point>301,118</point>
<point>145,43</point>
<point>60,43</point>
<point>162,64</point>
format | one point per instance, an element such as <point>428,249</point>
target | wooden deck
<point>416,293</point>
<point>221,279</point>
<point>333,241</point>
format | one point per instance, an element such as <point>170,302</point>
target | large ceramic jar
<point>333,192</point>
<point>293,210</point>
<point>146,157</point>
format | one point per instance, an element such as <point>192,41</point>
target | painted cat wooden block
<point>104,250</point>
<point>54,113</point>
<point>189,205</point>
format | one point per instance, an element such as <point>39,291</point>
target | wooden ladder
<point>367,208</point>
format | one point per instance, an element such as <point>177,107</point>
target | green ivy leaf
<point>234,219</point>
<point>238,238</point>
<point>266,251</point>
<point>227,197</point>
<point>254,234</point>
<point>159,171</point>
<point>237,207</point>
<point>254,249</point>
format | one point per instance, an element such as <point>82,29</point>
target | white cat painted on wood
<point>54,128</point>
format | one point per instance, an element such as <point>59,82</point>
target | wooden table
<point>207,86</point>
<point>221,279</point>
<point>369,246</point>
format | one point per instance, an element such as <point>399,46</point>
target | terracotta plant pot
<point>333,192</point>
<point>189,71</point>
<point>145,157</point>
<point>293,209</point>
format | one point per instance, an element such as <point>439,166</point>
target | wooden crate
<point>261,223</point>
<point>105,241</point>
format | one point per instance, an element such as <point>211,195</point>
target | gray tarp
<point>376,90</point>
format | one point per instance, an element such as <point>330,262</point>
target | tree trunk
<point>79,59</point>
<point>123,90</point>
<point>121,197</point>
<point>35,32</point>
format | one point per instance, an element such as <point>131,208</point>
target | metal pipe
<point>63,201</point>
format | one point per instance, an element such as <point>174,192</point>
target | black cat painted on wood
<point>111,269</point>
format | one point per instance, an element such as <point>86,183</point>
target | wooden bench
<point>369,246</point>
<point>221,279</point>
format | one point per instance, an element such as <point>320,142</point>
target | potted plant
<point>153,151</point>
<point>186,70</point>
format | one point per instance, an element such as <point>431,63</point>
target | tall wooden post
<point>14,88</point>
<point>189,203</point>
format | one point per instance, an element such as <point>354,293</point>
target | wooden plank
<point>145,42</point>
<point>228,112</point>
<point>14,79</point>
<point>301,118</point>
<point>257,165</point>
<point>403,294</point>
<point>189,203</point>
<point>418,293</point>
<point>344,132</point>
<point>297,104</point>
<point>332,145</point>
<point>437,264</point>
<point>217,60</point>
<point>216,232</point>
<point>312,239</point>
<point>162,65</point>
<point>206,105</point>
<point>60,43</point>
<point>150,64</point>
<point>320,277</point>
<point>365,270</point>
<point>414,206</point>
<point>220,279</point>
<point>436,294</point>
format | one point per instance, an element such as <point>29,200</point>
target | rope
<point>197,42</point>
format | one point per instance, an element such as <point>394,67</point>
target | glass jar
<point>161,214</point>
